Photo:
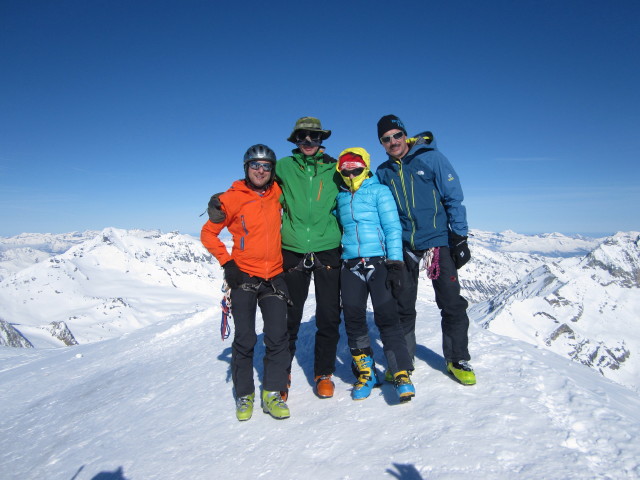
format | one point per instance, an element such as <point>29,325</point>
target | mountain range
<point>575,296</point>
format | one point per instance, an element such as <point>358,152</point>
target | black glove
<point>459,249</point>
<point>214,209</point>
<point>395,276</point>
<point>232,274</point>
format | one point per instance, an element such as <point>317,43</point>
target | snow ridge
<point>584,309</point>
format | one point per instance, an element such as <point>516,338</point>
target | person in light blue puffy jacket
<point>371,265</point>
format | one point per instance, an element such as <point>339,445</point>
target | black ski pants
<point>453,307</point>
<point>357,282</point>
<point>244,299</point>
<point>326,277</point>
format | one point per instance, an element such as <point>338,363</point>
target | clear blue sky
<point>132,113</point>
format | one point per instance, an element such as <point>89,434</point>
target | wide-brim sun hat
<point>308,123</point>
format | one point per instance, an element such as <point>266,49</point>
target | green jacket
<point>309,189</point>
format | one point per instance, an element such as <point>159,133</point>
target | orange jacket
<point>254,222</point>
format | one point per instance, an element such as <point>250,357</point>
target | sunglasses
<point>387,138</point>
<point>355,172</point>
<point>267,167</point>
<point>301,135</point>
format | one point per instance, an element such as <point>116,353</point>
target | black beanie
<point>389,122</point>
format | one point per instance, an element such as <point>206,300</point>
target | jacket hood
<point>423,140</point>
<point>357,181</point>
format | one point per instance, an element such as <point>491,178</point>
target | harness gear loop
<point>225,305</point>
<point>310,262</point>
<point>430,259</point>
<point>432,262</point>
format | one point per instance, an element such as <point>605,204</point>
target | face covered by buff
<point>353,166</point>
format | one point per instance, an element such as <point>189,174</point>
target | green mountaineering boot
<point>244,407</point>
<point>463,371</point>
<point>273,404</point>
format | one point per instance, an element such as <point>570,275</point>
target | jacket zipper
<point>268,242</point>
<point>413,196</point>
<point>406,199</point>
<point>310,205</point>
<point>395,189</point>
<point>435,207</point>
<point>246,232</point>
<point>381,240</point>
<point>353,217</point>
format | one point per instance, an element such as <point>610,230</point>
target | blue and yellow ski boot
<point>367,377</point>
<point>404,386</point>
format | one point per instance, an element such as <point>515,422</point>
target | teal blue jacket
<point>428,194</point>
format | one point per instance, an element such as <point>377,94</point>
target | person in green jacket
<point>311,243</point>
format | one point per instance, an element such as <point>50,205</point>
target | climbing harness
<point>309,262</point>
<point>363,268</point>
<point>225,303</point>
<point>255,287</point>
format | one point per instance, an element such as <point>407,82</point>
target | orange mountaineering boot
<point>324,386</point>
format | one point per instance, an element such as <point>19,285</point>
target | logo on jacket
<point>450,178</point>
<point>420,172</point>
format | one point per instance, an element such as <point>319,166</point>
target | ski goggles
<point>302,135</point>
<point>267,167</point>
<point>355,172</point>
<point>387,138</point>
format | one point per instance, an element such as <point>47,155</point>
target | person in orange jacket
<point>250,210</point>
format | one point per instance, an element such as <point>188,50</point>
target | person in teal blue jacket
<point>429,199</point>
<point>371,266</point>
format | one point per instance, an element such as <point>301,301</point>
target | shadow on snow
<point>305,357</point>
<point>117,474</point>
